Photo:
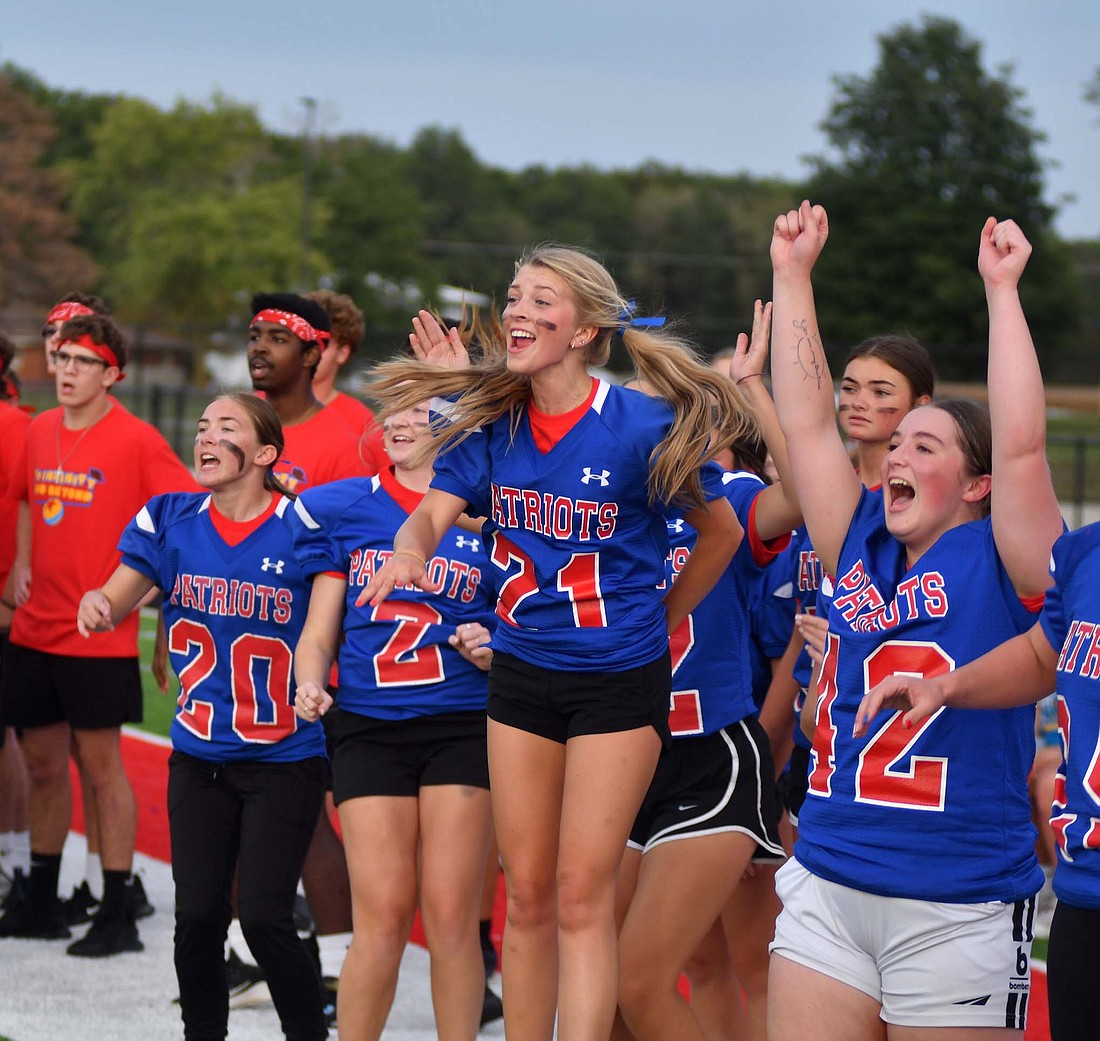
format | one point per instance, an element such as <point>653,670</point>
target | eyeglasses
<point>81,362</point>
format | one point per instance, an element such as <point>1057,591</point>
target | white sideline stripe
<point>144,735</point>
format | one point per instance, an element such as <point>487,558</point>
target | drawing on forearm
<point>808,353</point>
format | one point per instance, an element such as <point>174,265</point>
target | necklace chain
<point>61,460</point>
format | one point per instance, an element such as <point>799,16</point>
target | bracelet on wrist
<point>747,376</point>
<point>410,553</point>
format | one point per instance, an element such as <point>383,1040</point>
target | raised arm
<point>828,488</point>
<point>99,609</point>
<point>1026,518</point>
<point>777,509</point>
<point>416,540</point>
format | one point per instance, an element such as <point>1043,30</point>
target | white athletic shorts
<point>928,964</point>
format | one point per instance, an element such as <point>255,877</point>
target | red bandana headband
<point>100,350</point>
<point>63,312</point>
<point>295,323</point>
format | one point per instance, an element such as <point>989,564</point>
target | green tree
<point>189,210</point>
<point>39,259</point>
<point>74,114</point>
<point>926,148</point>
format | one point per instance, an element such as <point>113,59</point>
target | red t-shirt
<point>372,449</point>
<point>83,487</point>
<point>322,449</point>
<point>355,413</point>
<point>13,431</point>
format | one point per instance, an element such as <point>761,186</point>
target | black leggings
<point>262,815</point>
<point>1073,969</point>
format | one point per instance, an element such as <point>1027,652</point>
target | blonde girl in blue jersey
<point>573,473</point>
<point>879,936</point>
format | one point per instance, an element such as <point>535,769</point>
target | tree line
<point>178,215</point>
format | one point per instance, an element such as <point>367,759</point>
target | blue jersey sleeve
<point>142,541</point>
<point>463,470</point>
<point>311,523</point>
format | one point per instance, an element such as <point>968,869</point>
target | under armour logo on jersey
<point>272,565</point>
<point>589,476</point>
<point>676,527</point>
<point>462,542</point>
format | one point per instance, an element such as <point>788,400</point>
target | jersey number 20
<point>246,653</point>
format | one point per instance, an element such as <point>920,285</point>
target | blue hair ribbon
<point>628,316</point>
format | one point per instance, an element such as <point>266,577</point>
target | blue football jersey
<point>395,661</point>
<point>233,616</point>
<point>773,603</point>
<point>1071,622</point>
<point>578,547</point>
<point>939,812</point>
<point>806,575</point>
<point>805,569</point>
<point>712,649</point>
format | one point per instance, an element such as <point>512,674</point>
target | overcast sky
<point>716,85</point>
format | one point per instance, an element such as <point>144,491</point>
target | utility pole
<point>307,190</point>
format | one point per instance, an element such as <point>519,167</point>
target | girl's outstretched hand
<point>432,343</point>
<point>404,568</point>
<point>917,698</point>
<point>93,615</point>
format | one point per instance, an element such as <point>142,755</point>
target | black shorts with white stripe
<point>720,782</point>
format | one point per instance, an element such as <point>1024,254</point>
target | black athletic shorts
<point>560,705</point>
<point>3,655</point>
<point>399,757</point>
<point>1073,964</point>
<point>712,784</point>
<point>41,689</point>
<point>795,783</point>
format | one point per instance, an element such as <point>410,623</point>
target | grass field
<point>159,708</point>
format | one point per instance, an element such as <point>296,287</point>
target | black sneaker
<point>136,900</point>
<point>81,906</point>
<point>492,1008</point>
<point>112,932</point>
<point>17,891</point>
<point>28,922</point>
<point>241,975</point>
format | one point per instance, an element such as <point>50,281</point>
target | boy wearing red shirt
<point>86,469</point>
<point>285,340</point>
